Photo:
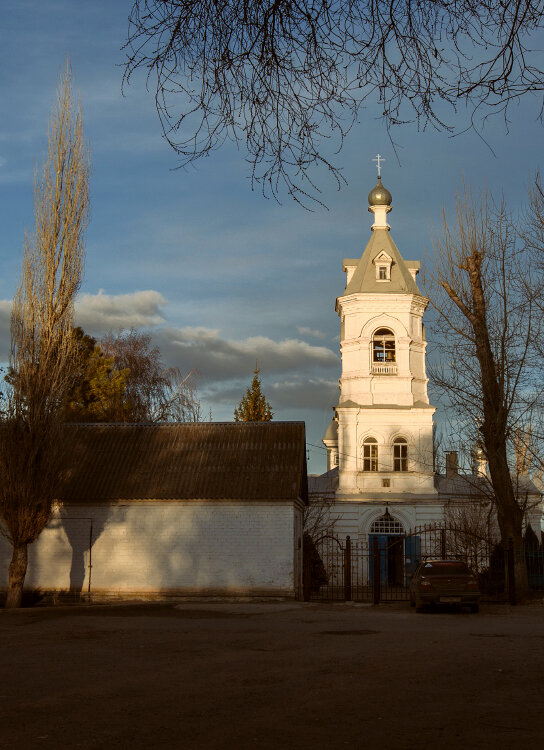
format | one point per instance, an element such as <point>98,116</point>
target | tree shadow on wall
<point>83,527</point>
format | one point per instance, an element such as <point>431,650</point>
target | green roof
<point>364,277</point>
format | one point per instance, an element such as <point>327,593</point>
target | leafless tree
<point>474,522</point>
<point>153,392</point>
<point>319,517</point>
<point>287,79</point>
<point>42,361</point>
<point>487,328</point>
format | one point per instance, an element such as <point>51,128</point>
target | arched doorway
<point>390,534</point>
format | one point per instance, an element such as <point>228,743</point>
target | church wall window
<point>370,454</point>
<point>400,455</point>
<point>383,346</point>
<point>387,524</point>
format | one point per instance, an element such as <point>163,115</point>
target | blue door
<point>383,544</point>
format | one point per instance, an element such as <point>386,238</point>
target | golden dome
<point>379,196</point>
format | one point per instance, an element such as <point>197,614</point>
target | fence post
<point>376,570</point>
<point>511,572</point>
<point>347,570</point>
<point>443,543</point>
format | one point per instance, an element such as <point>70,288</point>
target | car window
<point>446,567</point>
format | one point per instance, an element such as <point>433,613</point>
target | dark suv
<point>444,582</point>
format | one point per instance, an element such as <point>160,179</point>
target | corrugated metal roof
<point>238,460</point>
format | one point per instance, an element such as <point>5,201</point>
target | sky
<point>218,275</point>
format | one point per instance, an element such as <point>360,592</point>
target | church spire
<point>379,200</point>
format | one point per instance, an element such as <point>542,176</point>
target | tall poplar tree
<point>43,360</point>
<point>253,407</point>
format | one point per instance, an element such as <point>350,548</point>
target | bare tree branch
<point>287,79</point>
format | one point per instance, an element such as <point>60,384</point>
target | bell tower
<point>384,421</point>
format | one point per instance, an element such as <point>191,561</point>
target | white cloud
<point>99,313</point>
<point>218,359</point>
<point>305,331</point>
<point>224,359</point>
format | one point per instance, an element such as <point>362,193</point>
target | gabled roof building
<point>209,509</point>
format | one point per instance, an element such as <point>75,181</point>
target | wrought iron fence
<point>380,568</point>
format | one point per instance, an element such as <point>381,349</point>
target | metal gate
<point>380,569</point>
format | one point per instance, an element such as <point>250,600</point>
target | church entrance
<point>390,536</point>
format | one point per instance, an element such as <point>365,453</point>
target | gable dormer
<point>383,262</point>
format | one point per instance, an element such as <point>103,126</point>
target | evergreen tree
<point>253,407</point>
<point>99,390</point>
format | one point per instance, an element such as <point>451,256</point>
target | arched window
<point>400,454</point>
<point>387,524</point>
<point>370,454</point>
<point>383,346</point>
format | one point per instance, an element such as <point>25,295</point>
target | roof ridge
<point>184,424</point>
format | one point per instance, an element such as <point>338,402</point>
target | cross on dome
<point>379,159</point>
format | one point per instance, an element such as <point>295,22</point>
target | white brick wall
<point>177,547</point>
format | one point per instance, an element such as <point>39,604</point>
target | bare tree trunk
<point>520,572</point>
<point>17,573</point>
<point>494,427</point>
<point>510,525</point>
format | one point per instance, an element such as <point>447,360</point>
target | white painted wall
<point>210,548</point>
<point>384,425</point>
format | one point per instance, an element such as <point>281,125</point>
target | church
<point>381,478</point>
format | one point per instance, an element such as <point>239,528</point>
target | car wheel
<point>474,608</point>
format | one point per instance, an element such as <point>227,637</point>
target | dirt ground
<point>271,675</point>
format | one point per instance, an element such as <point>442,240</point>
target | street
<point>271,675</point>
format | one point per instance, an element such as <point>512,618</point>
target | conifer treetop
<point>253,407</point>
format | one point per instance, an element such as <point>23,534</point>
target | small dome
<point>379,196</point>
<point>332,431</point>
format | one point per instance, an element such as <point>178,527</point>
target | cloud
<point>314,393</point>
<point>224,359</point>
<point>99,313</point>
<point>289,399</point>
<point>305,331</point>
<point>296,396</point>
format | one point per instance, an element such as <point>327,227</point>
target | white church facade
<point>381,477</point>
